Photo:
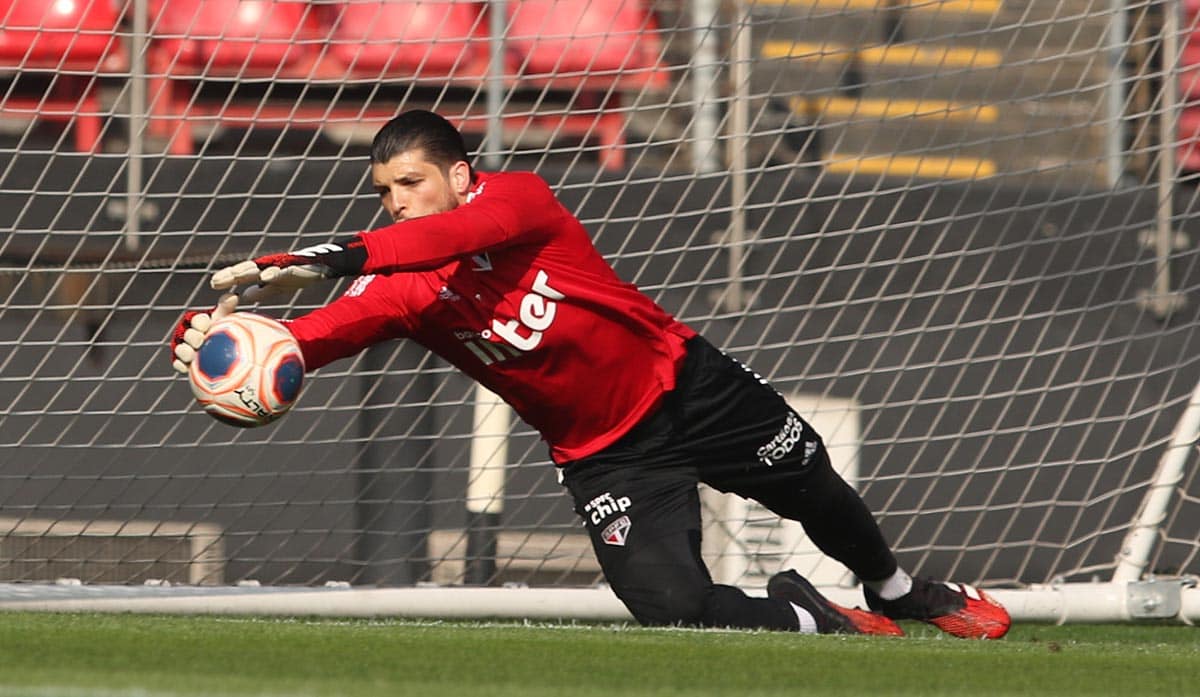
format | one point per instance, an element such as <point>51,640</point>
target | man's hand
<point>269,276</point>
<point>191,330</point>
<point>292,271</point>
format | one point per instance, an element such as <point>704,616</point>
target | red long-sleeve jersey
<point>509,289</point>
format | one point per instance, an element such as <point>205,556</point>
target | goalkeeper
<point>493,274</point>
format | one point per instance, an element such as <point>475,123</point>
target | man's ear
<point>460,178</point>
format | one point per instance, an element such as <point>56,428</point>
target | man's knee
<point>680,604</point>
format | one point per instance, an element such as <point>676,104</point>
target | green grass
<point>93,654</point>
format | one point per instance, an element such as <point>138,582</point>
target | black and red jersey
<point>509,288</point>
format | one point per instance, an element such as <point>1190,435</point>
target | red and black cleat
<point>955,608</point>
<point>831,618</point>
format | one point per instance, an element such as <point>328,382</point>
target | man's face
<point>409,186</point>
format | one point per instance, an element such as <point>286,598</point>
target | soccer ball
<point>248,371</point>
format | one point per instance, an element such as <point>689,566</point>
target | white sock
<point>808,623</point>
<point>895,586</point>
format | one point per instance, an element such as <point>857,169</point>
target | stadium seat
<point>616,39</point>
<point>232,36</point>
<point>1189,72</point>
<point>73,34</point>
<point>224,40</point>
<point>389,38</point>
<point>1188,133</point>
<point>1189,59</point>
<point>1188,150</point>
<point>74,41</point>
<point>595,49</point>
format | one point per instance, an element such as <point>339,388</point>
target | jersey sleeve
<point>365,314</point>
<point>511,208</point>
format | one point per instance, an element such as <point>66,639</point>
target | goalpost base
<point>1177,599</point>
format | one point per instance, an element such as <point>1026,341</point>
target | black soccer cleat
<point>955,608</point>
<point>831,618</point>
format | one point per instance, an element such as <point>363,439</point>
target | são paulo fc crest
<point>616,532</point>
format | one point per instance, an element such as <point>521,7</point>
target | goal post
<point>958,234</point>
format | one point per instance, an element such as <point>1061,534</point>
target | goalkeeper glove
<point>292,271</point>
<point>191,330</point>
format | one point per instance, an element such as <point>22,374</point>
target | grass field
<point>86,654</point>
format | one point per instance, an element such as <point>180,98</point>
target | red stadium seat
<point>1189,58</point>
<point>596,49</point>
<point>1188,129</point>
<point>552,37</point>
<point>73,40</point>
<point>73,34</point>
<point>1188,139</point>
<point>229,40</point>
<point>1189,72</point>
<point>382,38</point>
<point>231,36</point>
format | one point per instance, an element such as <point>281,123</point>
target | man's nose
<point>395,206</point>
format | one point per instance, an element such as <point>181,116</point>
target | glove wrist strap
<point>341,258</point>
<point>349,261</point>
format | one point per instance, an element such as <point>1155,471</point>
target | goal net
<point>956,234</point>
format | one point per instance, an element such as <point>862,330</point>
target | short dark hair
<point>422,130</point>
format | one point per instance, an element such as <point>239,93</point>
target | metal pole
<point>491,418</point>
<point>1139,542</point>
<point>706,117</point>
<point>494,137</point>
<point>485,486</point>
<point>1166,158</point>
<point>137,125</point>
<point>739,142</point>
<point>1118,30</point>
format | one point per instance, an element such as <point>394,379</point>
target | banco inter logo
<point>536,312</point>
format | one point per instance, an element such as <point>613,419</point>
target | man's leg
<point>666,583</point>
<point>644,525</point>
<point>834,516</point>
<point>642,513</point>
<point>748,441</point>
<point>745,439</point>
<point>840,525</point>
<point>663,581</point>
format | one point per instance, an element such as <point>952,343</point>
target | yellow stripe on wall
<point>979,7</point>
<point>846,108</point>
<point>908,166</point>
<point>895,54</point>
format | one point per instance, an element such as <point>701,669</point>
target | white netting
<point>956,233</point>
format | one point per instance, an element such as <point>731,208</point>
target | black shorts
<point>723,425</point>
